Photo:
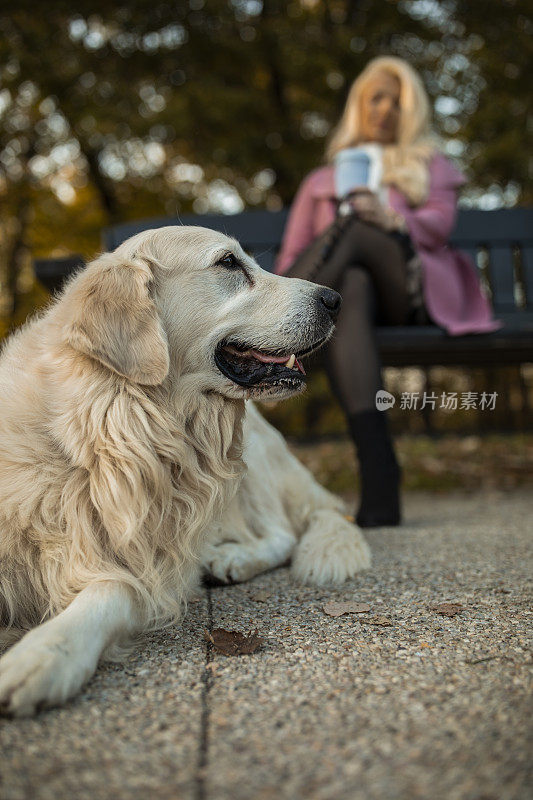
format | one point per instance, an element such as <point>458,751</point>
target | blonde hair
<point>405,163</point>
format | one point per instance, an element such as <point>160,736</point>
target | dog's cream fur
<point>128,460</point>
<point>281,512</point>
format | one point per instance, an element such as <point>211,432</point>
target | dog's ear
<point>114,319</point>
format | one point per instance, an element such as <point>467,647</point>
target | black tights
<point>368,268</point>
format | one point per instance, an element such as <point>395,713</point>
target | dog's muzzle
<point>249,366</point>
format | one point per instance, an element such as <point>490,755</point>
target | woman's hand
<point>371,210</point>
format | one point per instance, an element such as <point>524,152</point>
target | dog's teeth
<point>290,363</point>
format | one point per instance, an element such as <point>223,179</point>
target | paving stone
<point>133,732</point>
<point>330,708</point>
<point>340,708</point>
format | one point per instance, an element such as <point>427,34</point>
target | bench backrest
<point>500,243</point>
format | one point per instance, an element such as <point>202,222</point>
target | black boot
<point>379,470</point>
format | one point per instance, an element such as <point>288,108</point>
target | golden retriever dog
<point>131,457</point>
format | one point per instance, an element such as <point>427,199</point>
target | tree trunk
<point>104,187</point>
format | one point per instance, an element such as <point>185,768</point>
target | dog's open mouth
<point>248,366</point>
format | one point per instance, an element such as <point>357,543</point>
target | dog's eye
<point>229,262</point>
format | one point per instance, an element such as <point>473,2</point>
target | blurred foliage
<point>499,126</point>
<point>114,111</point>
<point>315,414</point>
<point>451,462</point>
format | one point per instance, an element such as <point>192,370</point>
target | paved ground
<point>331,708</point>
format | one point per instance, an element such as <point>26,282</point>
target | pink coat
<point>452,291</point>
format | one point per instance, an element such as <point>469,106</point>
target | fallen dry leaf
<point>261,596</point>
<point>337,609</point>
<point>448,609</point>
<point>234,643</point>
<point>377,620</point>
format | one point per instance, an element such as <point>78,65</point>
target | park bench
<point>500,243</point>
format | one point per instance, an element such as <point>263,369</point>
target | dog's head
<point>187,300</point>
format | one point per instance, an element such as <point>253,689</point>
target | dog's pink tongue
<point>275,359</point>
<point>268,359</point>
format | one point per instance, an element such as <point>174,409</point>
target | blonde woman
<point>389,257</point>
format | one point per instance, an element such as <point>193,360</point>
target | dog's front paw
<point>331,551</point>
<point>232,563</point>
<point>41,670</point>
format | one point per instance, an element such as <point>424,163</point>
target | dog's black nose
<point>331,301</point>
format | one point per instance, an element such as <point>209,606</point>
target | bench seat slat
<point>255,229</point>
<point>260,233</point>
<point>527,271</point>
<point>501,271</point>
<point>499,226</point>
